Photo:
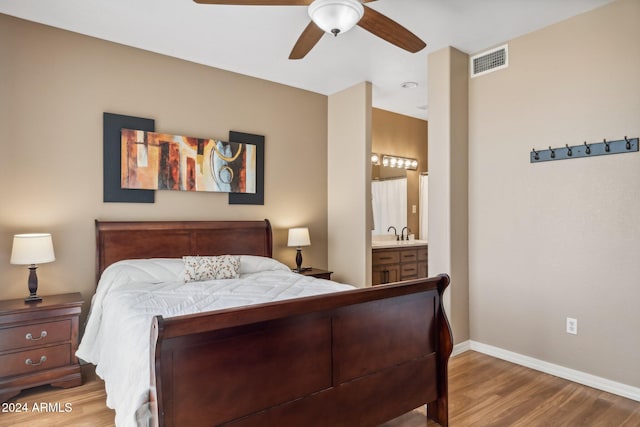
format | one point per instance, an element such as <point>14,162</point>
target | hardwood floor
<point>483,391</point>
<point>88,408</point>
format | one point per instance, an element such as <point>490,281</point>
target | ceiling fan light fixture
<point>336,16</point>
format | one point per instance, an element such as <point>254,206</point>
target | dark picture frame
<point>111,190</point>
<point>256,198</point>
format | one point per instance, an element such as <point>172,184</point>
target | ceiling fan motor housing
<point>336,16</point>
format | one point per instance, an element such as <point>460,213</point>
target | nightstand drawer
<point>34,360</point>
<point>37,334</point>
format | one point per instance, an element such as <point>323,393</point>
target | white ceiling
<point>256,40</point>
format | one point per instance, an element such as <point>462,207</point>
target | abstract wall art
<point>256,198</point>
<point>160,161</point>
<point>112,190</point>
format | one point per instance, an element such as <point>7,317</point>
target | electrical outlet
<point>572,326</point>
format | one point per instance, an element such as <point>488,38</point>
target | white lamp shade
<point>336,16</point>
<point>32,249</point>
<point>299,237</point>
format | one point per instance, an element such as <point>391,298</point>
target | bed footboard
<point>354,358</point>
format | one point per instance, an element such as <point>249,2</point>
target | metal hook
<point>553,152</point>
<point>628,143</point>
<point>569,151</point>
<point>535,154</point>
<point>588,150</point>
<point>606,145</point>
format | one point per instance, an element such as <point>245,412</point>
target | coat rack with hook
<point>585,149</point>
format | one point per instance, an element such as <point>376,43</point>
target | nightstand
<point>317,273</point>
<point>38,342</point>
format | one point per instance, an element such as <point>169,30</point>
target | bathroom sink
<point>396,243</point>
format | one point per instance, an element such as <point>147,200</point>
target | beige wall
<point>349,183</point>
<point>559,239</point>
<point>448,181</point>
<point>55,86</point>
<point>405,136</point>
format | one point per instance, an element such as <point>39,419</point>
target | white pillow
<point>201,268</point>
<point>145,270</point>
<point>256,264</point>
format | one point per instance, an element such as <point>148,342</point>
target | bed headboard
<point>118,240</point>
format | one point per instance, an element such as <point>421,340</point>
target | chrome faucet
<point>402,233</point>
<point>395,232</point>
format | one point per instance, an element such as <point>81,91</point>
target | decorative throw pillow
<point>200,268</point>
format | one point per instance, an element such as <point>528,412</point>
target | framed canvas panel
<point>256,198</point>
<point>112,191</point>
<point>162,161</point>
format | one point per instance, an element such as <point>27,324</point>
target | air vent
<point>489,61</point>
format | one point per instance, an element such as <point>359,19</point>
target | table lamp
<point>298,237</point>
<point>32,249</point>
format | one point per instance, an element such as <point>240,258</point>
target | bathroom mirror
<point>388,198</point>
<point>406,137</point>
<point>379,172</point>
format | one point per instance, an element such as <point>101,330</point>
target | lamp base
<point>33,286</point>
<point>32,298</point>
<point>298,259</point>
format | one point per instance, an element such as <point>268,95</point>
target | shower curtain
<point>389,200</point>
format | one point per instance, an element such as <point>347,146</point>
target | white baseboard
<point>461,348</point>
<point>579,377</point>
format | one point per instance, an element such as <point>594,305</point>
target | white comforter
<point>130,293</point>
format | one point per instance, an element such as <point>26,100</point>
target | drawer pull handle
<point>409,269</point>
<point>31,338</point>
<point>30,362</point>
<point>385,257</point>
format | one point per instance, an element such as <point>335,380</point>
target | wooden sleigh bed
<point>353,358</point>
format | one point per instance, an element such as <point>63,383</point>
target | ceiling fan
<point>336,17</point>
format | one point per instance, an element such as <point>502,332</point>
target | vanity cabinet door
<point>393,273</point>
<point>423,262</point>
<point>385,274</point>
<point>422,270</point>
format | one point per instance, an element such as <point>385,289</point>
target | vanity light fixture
<point>375,159</point>
<point>399,162</point>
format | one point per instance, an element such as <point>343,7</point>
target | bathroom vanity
<point>398,260</point>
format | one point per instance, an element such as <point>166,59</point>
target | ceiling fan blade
<point>389,30</point>
<point>257,2</point>
<point>306,41</point>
